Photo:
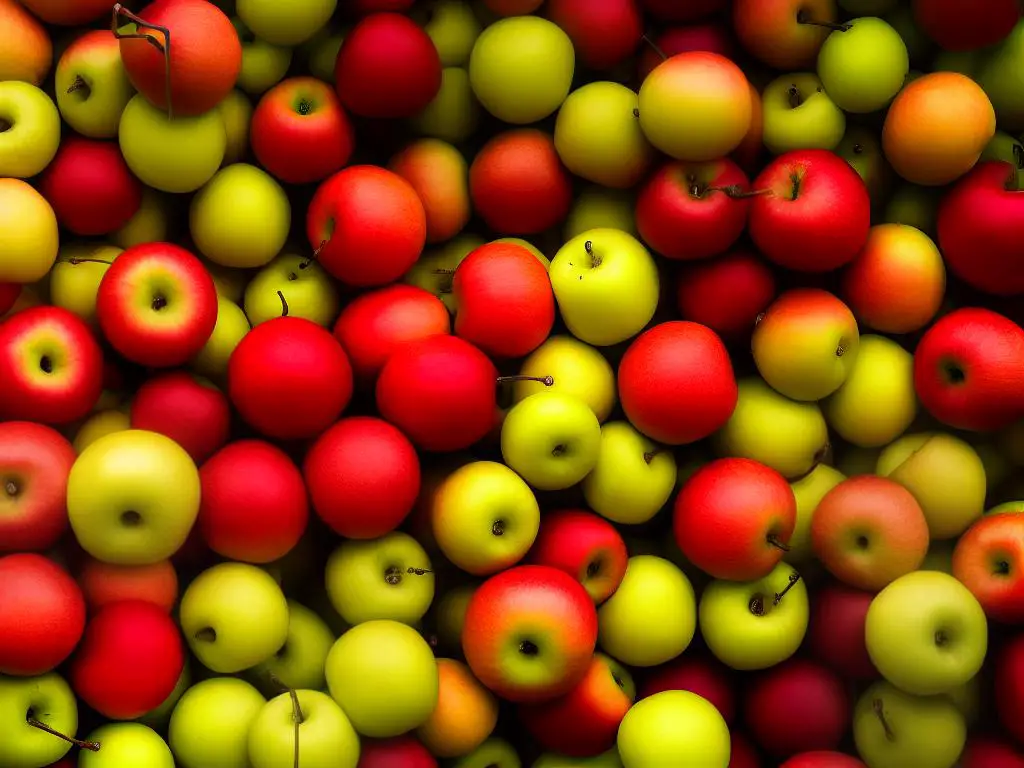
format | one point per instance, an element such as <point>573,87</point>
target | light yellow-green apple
<point>434,269</point>
<point>926,633</point>
<point>598,136</point>
<point>133,497</point>
<point>91,85</point>
<point>915,206</point>
<point>609,759</point>
<point>1005,147</point>
<point>493,753</point>
<point>231,327</point>
<point>528,246</point>
<point>787,435</point>
<point>578,370</point>
<point>49,700</point>
<point>305,285</point>
<point>798,114</point>
<point>945,475</point>
<point>385,578</point>
<point>651,617</point>
<point>894,729</point>
<point>969,698</point>
<point>236,111</point>
<point>863,67</point>
<point>876,404</point>
<point>150,224</point>
<point>453,114</point>
<point>809,490</point>
<point>28,233</point>
<point>484,517</point>
<point>597,207</point>
<point>521,68</point>
<point>453,27</point>
<point>674,728</point>
<point>98,425</point>
<point>306,723</point>
<point>862,149</point>
<point>159,718</point>
<point>31,129</point>
<point>551,439</point>
<point>449,613</point>
<point>241,218</point>
<point>805,344</point>
<point>285,23</point>
<point>210,724</point>
<point>1000,76</point>
<point>264,64</point>
<point>606,285</point>
<point>76,276</point>
<point>234,616</point>
<point>126,744</point>
<point>321,52</point>
<point>755,624</point>
<point>299,663</point>
<point>384,676</point>
<point>178,154</point>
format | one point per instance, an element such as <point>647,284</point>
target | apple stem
<point>77,85</point>
<point>793,579</point>
<point>316,255</point>
<point>636,112</point>
<point>297,717</point>
<point>595,260</point>
<point>547,381</point>
<point>92,746</point>
<point>736,192</point>
<point>444,271</point>
<point>1018,156</point>
<point>164,47</point>
<point>649,455</point>
<point>76,260</point>
<point>774,541</point>
<point>418,571</point>
<point>654,47</point>
<point>878,707</point>
<point>284,304</point>
<point>801,18</point>
<point>795,99</point>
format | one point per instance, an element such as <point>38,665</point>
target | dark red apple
<point>835,633</point>
<point>785,34</point>
<point>701,674</point>
<point>726,293</point>
<point>9,293</point>
<point>989,752</point>
<point>989,560</point>
<point>388,753</point>
<point>604,33</point>
<point>957,26</point>
<point>1009,674</point>
<point>743,754</point>
<point>192,412</point>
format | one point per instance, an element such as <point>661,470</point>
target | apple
<point>306,722</point>
<point>864,66</point>
<point>603,34</point>
<point>105,583</point>
<point>100,424</point>
<point>308,289</point>
<point>989,752</point>
<point>915,206</point>
<point>45,699</point>
<point>673,726</point>
<point>798,114</point>
<point>434,270</point>
<point>454,113</point>
<point>577,369</point>
<point>28,54</point>
<point>862,149</point>
<point>211,721</point>
<point>726,293</point>
<point>784,34</point>
<point>453,27</point>
<point>1006,148</point>
<point>596,207</point>
<point>28,233</point>
<point>823,759</point>
<point>1009,668</point>
<point>192,412</point>
<point>9,295</point>
<point>126,744</point>
<point>808,491</point>
<point>264,64</point>
<point>449,616</point>
<point>438,173</point>
<point>400,750</point>
<point>236,112</point>
<point>699,673</point>
<point>465,715</point>
<point>835,634</point>
<point>150,225</point>
<point>949,25</point>
<point>31,137</point>
<point>75,277</point>
<point>231,327</point>
<point>998,77</point>
<point>708,35</point>
<point>988,560</point>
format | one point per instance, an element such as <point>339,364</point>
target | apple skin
<point>798,114</point>
<point>989,560</point>
<point>823,759</point>
<point>650,731</point>
<point>193,413</point>
<point>465,715</point>
<point>708,36</point>
<point>106,583</point>
<point>671,11</point>
<point>864,67</point>
<point>955,28</point>
<point>1009,693</point>
<point>43,616</point>
<point>550,614</point>
<point>682,213</point>
<point>772,32</point>
<point>399,750</point>
<point>969,370</point>
<point>211,720</point>
<point>990,752</point>
<point>726,293</point>
<point>701,674</point>
<point>835,634</point>
<point>796,226</point>
<point>604,34</point>
<point>35,462</point>
<point>438,173</point>
<point>127,743</point>
<point>26,217</point>
<point>28,52</point>
<point>730,517</point>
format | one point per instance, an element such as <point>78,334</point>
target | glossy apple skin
<point>405,751</point>
<point>702,674</point>
<point>90,188</point>
<point>437,171</point>
<point>710,36</point>
<point>958,27</point>
<point>297,147</point>
<point>43,615</point>
<point>545,602</point>
<point>769,30</point>
<point>969,370</point>
<point>835,633</point>
<point>35,462</point>
<point>725,515</point>
<point>989,752</point>
<point>825,226</point>
<point>981,230</point>
<point>676,383</point>
<point>823,760</point>
<point>604,33</point>
<point>1009,674</point>
<point>681,216</point>
<point>505,305</point>
<point>363,475</point>
<point>726,293</point>
<point>584,545</point>
<point>989,560</point>
<point>196,416</point>
<point>105,583</point>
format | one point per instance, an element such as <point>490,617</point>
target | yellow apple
<point>578,369</point>
<point>76,277</point>
<point>597,207</point>
<point>236,111</point>
<point>28,233</point>
<point>99,425</point>
<point>809,491</point>
<point>150,224</point>
<point>231,327</point>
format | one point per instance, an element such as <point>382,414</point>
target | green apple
<point>633,479</point>
<point>597,207</point>
<point>321,52</point>
<point>945,475</point>
<point>124,744</point>
<point>676,728</point>
<point>264,64</point>
<point>159,718</point>
<point>578,370</point>
<point>609,759</point>
<point>894,729</point>
<point>651,617</point>
<point>76,275</point>
<point>385,578</point>
<point>926,633</point>
<point>288,23</point>
<point>91,85</point>
<point>319,733</point>
<point>29,129</point>
<point>798,114</point>
<point>178,154</point>
<point>234,617</point>
<point>150,224</point>
<point>236,111</point>
<point>1005,147</point>
<point>853,461</point>
<point>915,206</point>
<point>528,246</point>
<point>453,28</point>
<point>211,721</point>
<point>384,676</point>
<point>493,753</point>
<point>48,699</point>
<point>809,490</point>
<point>1000,76</point>
<point>306,286</point>
<point>606,284</point>
<point>598,136</point>
<point>241,218</point>
<point>969,699</point>
<point>863,67</point>
<point>133,497</point>
<point>299,663</point>
<point>861,148</point>
<point>453,114</point>
<point>755,624</point>
<point>434,269</point>
<point>787,435</point>
<point>877,402</point>
<point>231,327</point>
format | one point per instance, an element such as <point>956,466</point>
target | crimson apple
<point>820,759</point>
<point>105,583</point>
<point>1009,674</point>
<point>388,753</point>
<point>990,752</point>
<point>726,293</point>
<point>989,560</point>
<point>9,293</point>
<point>604,33</point>
<point>710,36</point>
<point>192,412</point>
<point>701,674</point>
<point>957,26</point>
<point>835,632</point>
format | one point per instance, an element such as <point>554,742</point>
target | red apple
<point>584,545</point>
<point>9,293</point>
<point>129,661</point>
<point>299,131</point>
<point>90,188</point>
<point>437,171</point>
<point>388,753</point>
<point>51,366</point>
<point>814,214</point>
<point>441,391</point>
<point>989,560</point>
<point>711,36</point>
<point>835,633</point>
<point>42,615</point>
<point>742,754</point>
<point>779,32</point>
<point>701,674</point>
<point>726,293</point>
<point>68,12</point>
<point>1009,675</point>
<point>733,518</point>
<point>821,759</point>
<point>192,412</point>
<point>157,305</point>
<point>959,27</point>
<point>106,583</point>
<point>505,305</point>
<point>989,752</point>
<point>604,33</point>
<point>368,225</point>
<point>35,462</point>
<point>676,383</point>
<point>289,378</point>
<point>518,183</point>
<point>691,210</point>
<point>204,55</point>
<point>675,11</point>
<point>387,67</point>
<point>363,475</point>
<point>254,506</point>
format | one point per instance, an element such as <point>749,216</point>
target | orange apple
<point>465,714</point>
<point>26,53</point>
<point>440,176</point>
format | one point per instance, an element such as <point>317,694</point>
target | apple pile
<point>511,384</point>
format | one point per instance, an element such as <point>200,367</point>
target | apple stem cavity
<point>795,97</point>
<point>776,542</point>
<point>164,47</point>
<point>879,709</point>
<point>595,260</point>
<point>316,255</point>
<point>547,381</point>
<point>11,488</point>
<point>649,455</point>
<point>793,579</point>
<point>284,304</point>
<point>79,84</point>
<point>92,746</point>
<point>636,112</point>
<point>498,528</point>
<point>654,47</point>
<point>206,635</point>
<point>802,18</point>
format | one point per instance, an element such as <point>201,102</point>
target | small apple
<point>300,661</point>
<point>784,34</point>
<point>231,327</point>
<point>106,583</point>
<point>236,111</point>
<point>835,634</point>
<point>28,53</point>
<point>863,66</point>
<point>726,293</point>
<point>76,276</point>
<point>798,114</point>
<point>493,753</point>
<point>673,726</point>
<point>808,491</point>
<point>210,723</point>
<point>596,207</point>
<point>987,560</point>
<point>308,289</point>
<point>453,27</point>
<point>577,369</point>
